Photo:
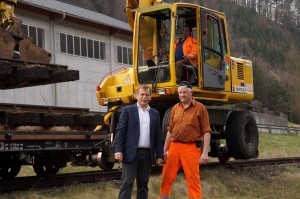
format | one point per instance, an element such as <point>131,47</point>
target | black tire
<point>242,135</point>
<point>10,170</point>
<point>43,168</point>
<point>165,123</point>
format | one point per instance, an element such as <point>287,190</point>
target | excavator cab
<point>156,33</point>
<point>155,41</point>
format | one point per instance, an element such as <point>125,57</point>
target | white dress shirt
<point>144,117</point>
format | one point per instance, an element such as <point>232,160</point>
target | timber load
<point>20,73</point>
<point>14,116</point>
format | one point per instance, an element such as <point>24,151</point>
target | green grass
<point>268,182</point>
<point>277,145</point>
<point>290,124</point>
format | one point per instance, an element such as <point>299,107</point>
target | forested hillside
<point>265,31</point>
<point>273,44</point>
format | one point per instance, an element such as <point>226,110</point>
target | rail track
<point>34,182</point>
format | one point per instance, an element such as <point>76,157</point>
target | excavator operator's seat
<point>190,74</point>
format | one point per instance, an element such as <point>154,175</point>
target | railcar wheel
<point>223,154</point>
<point>10,170</point>
<point>214,148</point>
<point>165,122</point>
<point>242,135</point>
<point>103,164</point>
<point>43,168</point>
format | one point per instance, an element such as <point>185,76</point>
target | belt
<point>185,142</point>
<point>198,143</point>
<point>142,148</point>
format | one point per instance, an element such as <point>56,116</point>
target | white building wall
<point>80,93</point>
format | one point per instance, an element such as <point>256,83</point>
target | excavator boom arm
<point>133,4</point>
<point>13,39</point>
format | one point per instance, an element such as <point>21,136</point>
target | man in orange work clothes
<point>188,129</point>
<point>186,52</point>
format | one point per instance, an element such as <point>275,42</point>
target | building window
<point>124,55</point>
<point>96,50</point>
<point>77,45</point>
<point>70,44</point>
<point>81,46</point>
<point>37,34</point>
<point>63,43</point>
<point>102,51</point>
<point>90,48</point>
<point>119,54</point>
<point>130,56</point>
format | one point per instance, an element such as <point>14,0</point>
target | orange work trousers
<point>187,156</point>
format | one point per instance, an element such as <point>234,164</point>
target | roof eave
<point>54,15</point>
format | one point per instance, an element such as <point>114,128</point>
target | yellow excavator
<point>222,82</point>
<point>13,42</point>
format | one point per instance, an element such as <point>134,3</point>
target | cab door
<point>213,65</point>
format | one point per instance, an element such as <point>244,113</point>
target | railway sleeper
<point>15,119</point>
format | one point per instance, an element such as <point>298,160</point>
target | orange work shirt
<point>188,125</point>
<point>189,47</point>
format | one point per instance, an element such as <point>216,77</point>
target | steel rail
<point>34,182</point>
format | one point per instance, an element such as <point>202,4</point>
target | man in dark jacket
<point>138,140</point>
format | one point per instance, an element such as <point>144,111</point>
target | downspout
<point>53,46</point>
<point>53,23</point>
<point>112,49</point>
<point>60,20</point>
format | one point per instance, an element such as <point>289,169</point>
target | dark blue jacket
<point>128,134</point>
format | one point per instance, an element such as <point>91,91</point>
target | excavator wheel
<point>165,122</point>
<point>242,135</point>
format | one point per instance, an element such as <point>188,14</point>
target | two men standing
<point>138,138</point>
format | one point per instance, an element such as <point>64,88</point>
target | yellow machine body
<point>156,26</point>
